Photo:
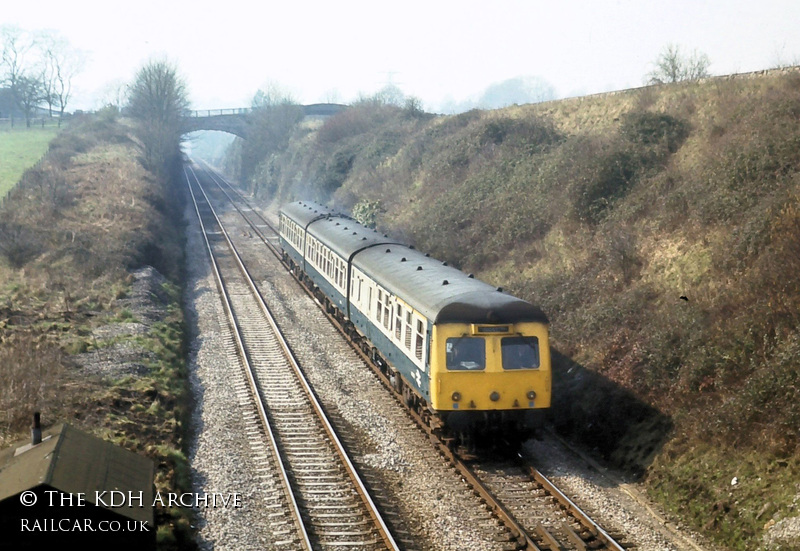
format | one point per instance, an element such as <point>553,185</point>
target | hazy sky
<point>433,49</point>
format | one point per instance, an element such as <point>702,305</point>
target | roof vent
<point>471,276</point>
<point>445,282</point>
<point>355,233</point>
<point>403,259</point>
<point>444,263</point>
<point>419,268</point>
<point>388,250</point>
<point>346,228</point>
<point>500,289</point>
<point>427,254</point>
<point>337,223</point>
<point>412,247</point>
<point>363,239</point>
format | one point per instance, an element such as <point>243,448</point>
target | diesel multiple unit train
<point>459,350</point>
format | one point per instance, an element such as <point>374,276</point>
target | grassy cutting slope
<point>659,228</point>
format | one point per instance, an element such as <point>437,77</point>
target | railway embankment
<point>91,325</point>
<point>659,230</point>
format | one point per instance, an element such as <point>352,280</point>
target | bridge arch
<point>237,121</point>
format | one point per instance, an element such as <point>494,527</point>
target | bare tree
<point>16,43</point>
<point>29,94</point>
<point>274,117</point>
<point>518,90</point>
<point>114,94</point>
<point>391,94</point>
<point>158,102</point>
<point>673,66</point>
<point>60,63</point>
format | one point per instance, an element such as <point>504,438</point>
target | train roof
<point>305,212</point>
<point>344,235</point>
<point>441,293</point>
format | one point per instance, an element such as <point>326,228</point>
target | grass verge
<point>20,149</point>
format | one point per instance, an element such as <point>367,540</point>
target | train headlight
<point>456,396</point>
<point>494,396</point>
<point>531,395</point>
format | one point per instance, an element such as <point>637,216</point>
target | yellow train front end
<point>491,379</point>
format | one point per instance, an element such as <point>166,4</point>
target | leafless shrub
<point>30,380</point>
<point>19,243</point>
<point>673,66</point>
<point>623,254</point>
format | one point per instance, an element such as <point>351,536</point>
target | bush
<point>641,148</point>
<point>611,178</point>
<point>19,243</point>
<point>31,380</point>
<point>655,129</point>
<point>366,212</point>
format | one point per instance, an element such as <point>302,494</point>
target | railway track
<point>536,514</point>
<point>320,502</point>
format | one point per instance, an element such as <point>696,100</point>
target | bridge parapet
<point>217,112</point>
<point>236,121</point>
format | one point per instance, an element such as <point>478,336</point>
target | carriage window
<point>379,313</point>
<point>419,340</point>
<point>398,322</point>
<point>466,353</point>
<point>520,352</point>
<point>408,331</point>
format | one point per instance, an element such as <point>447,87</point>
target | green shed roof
<point>73,461</point>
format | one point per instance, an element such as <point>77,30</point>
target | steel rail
<point>522,536</point>
<point>576,511</point>
<point>317,406</point>
<point>295,509</point>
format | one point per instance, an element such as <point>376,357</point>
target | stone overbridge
<point>237,121</point>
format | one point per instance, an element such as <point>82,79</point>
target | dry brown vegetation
<point>69,238</point>
<point>659,228</point>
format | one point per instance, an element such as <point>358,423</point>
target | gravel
<point>220,454</point>
<point>619,507</point>
<point>119,356</point>
<point>440,512</point>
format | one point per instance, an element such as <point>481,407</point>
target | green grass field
<point>19,150</point>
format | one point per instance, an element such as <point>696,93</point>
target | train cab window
<point>520,352</point>
<point>466,353</point>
